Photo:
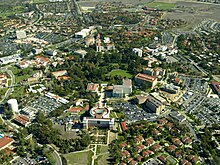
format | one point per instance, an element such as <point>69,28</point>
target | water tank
<point>13,105</point>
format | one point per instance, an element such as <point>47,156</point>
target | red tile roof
<point>5,141</point>
<point>92,87</point>
<point>23,120</point>
<point>145,77</point>
<point>123,126</point>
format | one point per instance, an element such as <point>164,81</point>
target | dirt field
<point>194,13</point>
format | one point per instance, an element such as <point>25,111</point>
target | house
<point>139,139</point>
<point>162,121</point>
<point>133,162</point>
<point>121,90</point>
<point>139,158</point>
<point>179,154</point>
<point>193,159</point>
<point>22,120</point>
<point>162,159</point>
<point>147,153</point>
<point>187,140</point>
<point>156,147</point>
<point>5,142</point>
<point>156,132</point>
<point>141,78</point>
<point>185,162</point>
<point>123,145</point>
<point>140,147</point>
<point>171,148</point>
<point>93,87</point>
<point>176,141</point>
<point>59,73</point>
<point>149,142</point>
<point>124,154</point>
<point>169,125</point>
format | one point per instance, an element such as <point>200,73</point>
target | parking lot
<point>29,161</point>
<point>208,112</point>
<point>195,84</point>
<point>134,113</point>
<point>45,104</point>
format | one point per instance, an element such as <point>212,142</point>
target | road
<point>10,90</point>
<point>56,156</point>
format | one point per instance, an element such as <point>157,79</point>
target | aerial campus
<point>121,82</point>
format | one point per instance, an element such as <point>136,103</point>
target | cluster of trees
<point>208,144</point>
<point>43,131</point>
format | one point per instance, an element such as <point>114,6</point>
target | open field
<point>120,72</point>
<point>161,5</point>
<point>194,13</point>
<point>80,158</point>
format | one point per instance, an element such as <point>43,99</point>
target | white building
<point>137,51</point>
<point>13,105</point>
<point>10,59</point>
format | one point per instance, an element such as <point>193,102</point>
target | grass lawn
<point>161,5</point>
<point>82,158</point>
<point>102,159</point>
<point>120,72</point>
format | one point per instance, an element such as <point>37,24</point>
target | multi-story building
<point>143,78</point>
<point>154,103</point>
<point>121,90</point>
<point>100,118</point>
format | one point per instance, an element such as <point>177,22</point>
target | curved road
<point>11,88</point>
<point>56,156</point>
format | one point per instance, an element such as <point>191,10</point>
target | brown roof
<point>76,109</point>
<point>92,87</point>
<point>162,158</point>
<point>123,126</point>
<point>156,147</point>
<point>145,77</point>
<point>63,78</point>
<point>216,86</point>
<point>172,148</point>
<point>149,141</point>
<point>147,153</point>
<point>42,59</point>
<point>5,141</point>
<point>23,120</point>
